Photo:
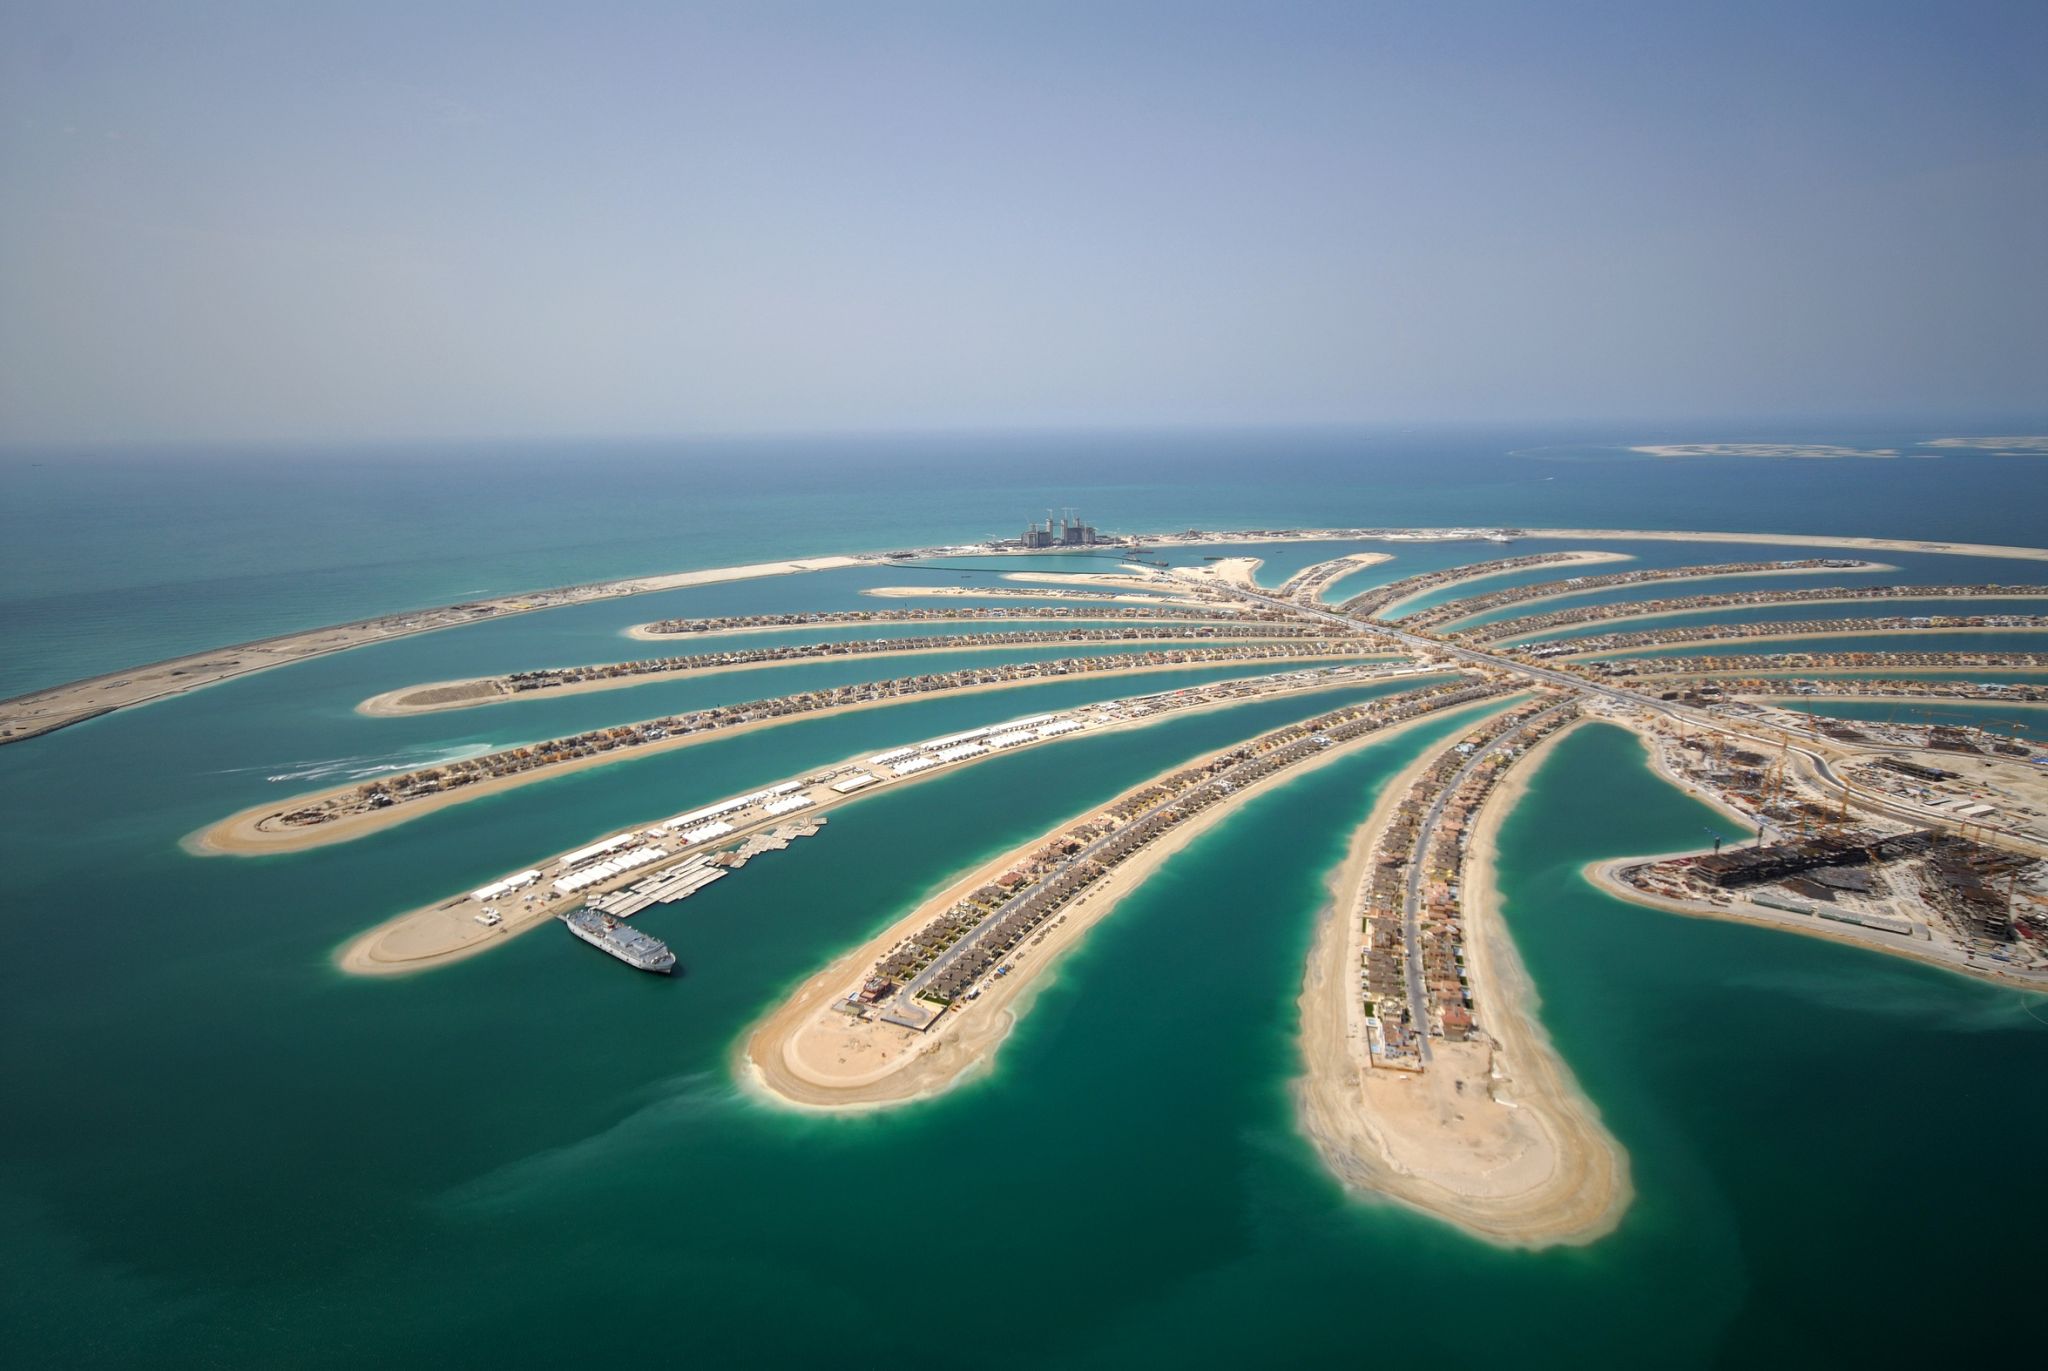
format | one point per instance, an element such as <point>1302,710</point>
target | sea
<point>218,1150</point>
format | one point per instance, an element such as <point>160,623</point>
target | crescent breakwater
<point>45,711</point>
<point>340,813</point>
<point>463,925</point>
<point>921,1005</point>
<point>488,690</point>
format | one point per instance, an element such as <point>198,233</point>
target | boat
<point>629,945</point>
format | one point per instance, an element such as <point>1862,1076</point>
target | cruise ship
<point>629,945</point>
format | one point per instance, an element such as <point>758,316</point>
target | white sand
<point>1496,1138</point>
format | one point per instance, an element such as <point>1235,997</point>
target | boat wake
<point>364,767</point>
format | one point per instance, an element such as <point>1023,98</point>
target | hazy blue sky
<point>361,219</point>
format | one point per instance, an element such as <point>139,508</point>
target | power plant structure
<point>1066,531</point>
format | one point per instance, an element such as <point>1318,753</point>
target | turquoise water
<point>107,559</point>
<point>2021,719</point>
<point>217,1150</point>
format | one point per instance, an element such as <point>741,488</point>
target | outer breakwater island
<point>44,711</point>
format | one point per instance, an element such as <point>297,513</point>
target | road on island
<point>1819,771</point>
<point>1411,903</point>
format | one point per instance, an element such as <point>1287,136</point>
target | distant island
<point>1811,450</point>
<point>2011,447</point>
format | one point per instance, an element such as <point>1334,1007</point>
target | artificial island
<point>1427,1078</point>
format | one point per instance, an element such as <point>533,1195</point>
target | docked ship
<point>629,945</point>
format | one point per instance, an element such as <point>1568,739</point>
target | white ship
<point>629,945</point>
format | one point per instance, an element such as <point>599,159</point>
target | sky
<point>265,221</point>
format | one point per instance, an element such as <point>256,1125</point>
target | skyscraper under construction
<point>1065,531</point>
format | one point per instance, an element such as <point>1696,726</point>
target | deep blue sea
<point>216,1150</point>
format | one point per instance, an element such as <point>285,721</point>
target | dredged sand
<point>1500,1140</point>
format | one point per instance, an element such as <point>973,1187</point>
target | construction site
<point>1946,887</point>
